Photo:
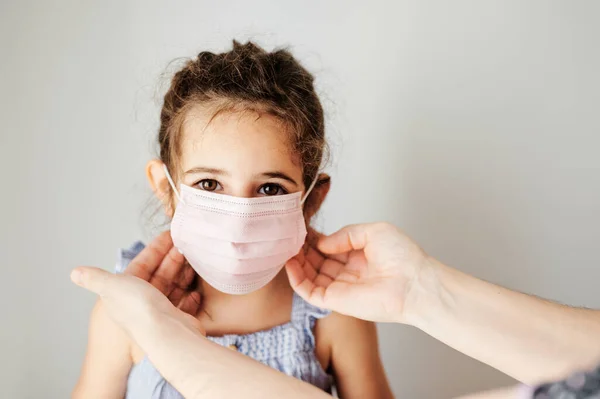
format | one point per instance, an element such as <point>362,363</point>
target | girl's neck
<point>242,314</point>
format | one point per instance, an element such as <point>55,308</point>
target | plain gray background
<point>473,125</point>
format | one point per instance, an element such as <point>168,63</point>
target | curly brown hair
<point>247,78</point>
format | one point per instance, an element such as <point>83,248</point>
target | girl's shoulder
<point>339,331</point>
<point>124,257</point>
<point>339,325</point>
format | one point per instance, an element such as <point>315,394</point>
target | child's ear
<point>317,196</point>
<point>159,184</point>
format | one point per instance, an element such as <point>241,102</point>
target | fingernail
<point>76,277</point>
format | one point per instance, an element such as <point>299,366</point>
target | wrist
<point>427,296</point>
<point>180,352</point>
<point>147,327</point>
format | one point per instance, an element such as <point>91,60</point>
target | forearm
<point>198,368</point>
<point>531,339</point>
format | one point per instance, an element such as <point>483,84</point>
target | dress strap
<point>125,256</point>
<point>305,316</point>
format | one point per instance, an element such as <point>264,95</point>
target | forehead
<point>241,141</point>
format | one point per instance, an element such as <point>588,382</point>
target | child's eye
<point>208,185</point>
<point>270,189</point>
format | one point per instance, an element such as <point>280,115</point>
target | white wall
<point>471,124</point>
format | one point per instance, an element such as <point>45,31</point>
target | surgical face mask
<point>237,245</point>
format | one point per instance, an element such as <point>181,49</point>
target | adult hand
<point>366,271</point>
<point>134,304</point>
<point>173,341</point>
<point>163,266</point>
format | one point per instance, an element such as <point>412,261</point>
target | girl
<point>241,140</point>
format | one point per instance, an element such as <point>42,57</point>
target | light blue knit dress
<point>289,348</point>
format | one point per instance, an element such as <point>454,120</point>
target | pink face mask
<point>237,245</point>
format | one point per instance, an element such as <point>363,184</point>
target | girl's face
<point>241,154</point>
<point>238,154</point>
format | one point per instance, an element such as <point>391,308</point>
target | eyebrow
<point>221,172</point>
<point>201,169</point>
<point>280,175</point>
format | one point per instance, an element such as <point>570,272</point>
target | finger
<point>339,297</point>
<point>144,265</point>
<point>179,293</point>
<point>163,285</point>
<point>331,268</point>
<point>310,272</point>
<point>176,295</point>
<point>310,264</point>
<point>93,279</point>
<point>324,292</point>
<point>312,237</point>
<point>342,258</point>
<point>323,280</point>
<point>191,303</point>
<point>304,286</point>
<point>171,267</point>
<point>349,238</point>
<point>314,258</point>
<point>295,272</point>
<point>348,276</point>
<point>187,277</point>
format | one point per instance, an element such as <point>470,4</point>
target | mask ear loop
<point>312,185</point>
<point>171,183</point>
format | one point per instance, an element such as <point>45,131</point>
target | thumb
<point>93,279</point>
<point>349,238</point>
